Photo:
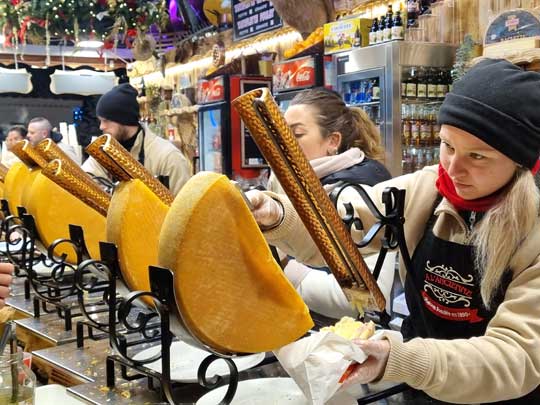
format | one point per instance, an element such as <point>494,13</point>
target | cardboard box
<point>345,34</point>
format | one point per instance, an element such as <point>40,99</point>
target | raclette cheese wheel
<point>54,209</point>
<point>27,189</point>
<point>134,220</point>
<point>16,179</point>
<point>230,292</point>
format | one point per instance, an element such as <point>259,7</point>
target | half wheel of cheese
<point>16,180</point>
<point>230,292</point>
<point>134,220</point>
<point>54,209</point>
<point>25,197</point>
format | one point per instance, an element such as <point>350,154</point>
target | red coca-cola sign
<point>297,73</point>
<point>210,91</point>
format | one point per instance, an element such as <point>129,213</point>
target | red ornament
<point>15,2</point>
<point>109,44</point>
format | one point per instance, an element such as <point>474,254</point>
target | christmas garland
<point>37,21</point>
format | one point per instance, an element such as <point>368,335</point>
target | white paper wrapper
<point>317,362</point>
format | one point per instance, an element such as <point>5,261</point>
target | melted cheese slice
<point>54,209</point>
<point>229,290</point>
<point>15,183</point>
<point>350,329</point>
<point>134,220</point>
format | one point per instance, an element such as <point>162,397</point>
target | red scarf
<point>447,189</point>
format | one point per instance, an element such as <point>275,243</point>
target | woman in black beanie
<point>473,232</point>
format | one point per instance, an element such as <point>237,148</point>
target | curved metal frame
<point>89,280</point>
<point>143,324</point>
<point>394,234</point>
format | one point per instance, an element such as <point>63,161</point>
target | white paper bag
<point>317,363</point>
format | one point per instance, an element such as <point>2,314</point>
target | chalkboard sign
<point>253,17</point>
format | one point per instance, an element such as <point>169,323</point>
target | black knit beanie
<point>119,105</point>
<point>499,103</point>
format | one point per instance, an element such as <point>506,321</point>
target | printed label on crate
<point>210,91</point>
<point>346,34</point>
<point>512,24</point>
<point>294,74</point>
<point>253,17</point>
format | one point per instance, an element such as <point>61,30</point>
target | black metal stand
<point>18,244</point>
<point>393,237</point>
<point>51,289</point>
<point>93,293</point>
<point>145,324</point>
<point>104,276</point>
<point>391,224</point>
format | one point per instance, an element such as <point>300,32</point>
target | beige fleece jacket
<point>505,362</point>
<point>162,158</point>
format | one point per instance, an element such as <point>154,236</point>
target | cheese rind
<point>134,221</point>
<point>229,290</point>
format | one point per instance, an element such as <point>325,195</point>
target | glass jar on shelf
<point>17,381</point>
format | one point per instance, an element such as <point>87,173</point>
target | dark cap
<point>498,102</point>
<point>119,105</point>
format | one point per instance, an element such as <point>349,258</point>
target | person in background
<point>342,145</point>
<point>40,128</point>
<point>118,112</point>
<point>473,231</point>
<point>15,134</point>
<point>6,277</point>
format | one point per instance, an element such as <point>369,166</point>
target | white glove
<point>267,212</point>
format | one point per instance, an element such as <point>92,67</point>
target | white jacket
<point>70,151</point>
<point>161,158</point>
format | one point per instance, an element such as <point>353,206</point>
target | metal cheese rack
<point>129,321</point>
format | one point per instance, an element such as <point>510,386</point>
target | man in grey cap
<point>40,128</point>
<point>118,112</point>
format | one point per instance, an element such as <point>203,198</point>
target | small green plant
<point>464,54</point>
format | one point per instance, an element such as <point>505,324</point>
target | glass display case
<point>399,84</point>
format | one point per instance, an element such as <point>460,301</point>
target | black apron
<point>443,296</point>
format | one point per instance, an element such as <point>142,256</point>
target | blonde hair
<point>333,115</point>
<point>370,142</point>
<point>502,230</point>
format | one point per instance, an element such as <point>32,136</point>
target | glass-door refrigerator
<point>294,75</point>
<point>376,78</point>
<point>225,145</point>
<point>214,123</point>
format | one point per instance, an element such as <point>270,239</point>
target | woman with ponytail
<point>341,142</point>
<point>472,226</point>
<point>342,145</point>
